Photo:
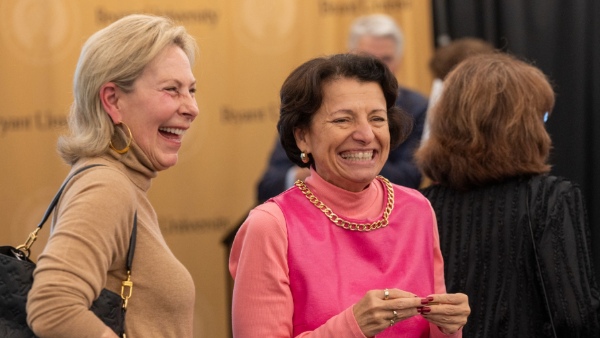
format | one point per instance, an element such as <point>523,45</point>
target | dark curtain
<point>562,38</point>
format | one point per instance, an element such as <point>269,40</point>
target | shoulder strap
<point>60,191</point>
<point>24,248</point>
<point>131,250</point>
<point>537,261</point>
<point>127,285</point>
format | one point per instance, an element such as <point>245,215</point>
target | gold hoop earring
<point>126,149</point>
<point>304,157</point>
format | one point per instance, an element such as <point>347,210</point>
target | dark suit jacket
<point>399,168</point>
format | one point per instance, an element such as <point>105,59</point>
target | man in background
<point>377,35</point>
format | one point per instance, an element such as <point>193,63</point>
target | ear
<point>302,139</point>
<point>110,101</point>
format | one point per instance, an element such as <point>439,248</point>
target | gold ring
<point>386,294</point>
<point>395,314</point>
<point>392,322</point>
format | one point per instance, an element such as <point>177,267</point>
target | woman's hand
<point>448,311</point>
<point>380,309</point>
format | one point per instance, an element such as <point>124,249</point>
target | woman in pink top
<point>345,253</point>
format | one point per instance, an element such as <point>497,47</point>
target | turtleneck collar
<point>134,162</point>
<point>140,167</point>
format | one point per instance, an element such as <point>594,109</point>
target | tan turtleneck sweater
<point>87,250</point>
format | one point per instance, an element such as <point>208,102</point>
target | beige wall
<point>247,49</point>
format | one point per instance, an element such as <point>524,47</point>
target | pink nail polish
<point>425,301</point>
<point>425,310</point>
<point>430,298</point>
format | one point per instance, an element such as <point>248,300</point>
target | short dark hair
<point>302,95</point>
<point>488,124</point>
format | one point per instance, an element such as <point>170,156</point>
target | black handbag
<point>16,278</point>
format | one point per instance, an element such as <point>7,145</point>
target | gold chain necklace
<point>382,223</point>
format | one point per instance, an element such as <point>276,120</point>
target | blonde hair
<point>117,53</point>
<point>489,123</point>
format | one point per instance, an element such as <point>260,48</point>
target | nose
<point>363,132</point>
<point>189,106</point>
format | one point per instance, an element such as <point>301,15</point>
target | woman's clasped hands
<point>380,309</point>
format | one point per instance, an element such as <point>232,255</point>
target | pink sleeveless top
<point>331,268</point>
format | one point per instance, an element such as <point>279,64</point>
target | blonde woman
<point>134,101</point>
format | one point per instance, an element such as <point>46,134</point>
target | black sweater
<point>488,253</point>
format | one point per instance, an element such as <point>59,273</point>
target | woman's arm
<point>72,270</point>
<point>563,246</point>
<point>262,300</point>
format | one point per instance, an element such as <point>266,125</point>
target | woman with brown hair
<point>513,238</point>
<point>344,253</point>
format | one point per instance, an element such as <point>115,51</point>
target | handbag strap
<point>131,250</point>
<point>537,260</point>
<point>127,285</point>
<point>25,248</point>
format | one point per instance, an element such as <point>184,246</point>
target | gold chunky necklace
<point>382,223</point>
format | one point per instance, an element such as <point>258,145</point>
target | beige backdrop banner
<point>247,49</point>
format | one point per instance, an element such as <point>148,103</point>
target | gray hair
<point>378,25</point>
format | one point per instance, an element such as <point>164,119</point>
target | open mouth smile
<point>172,133</point>
<point>358,156</point>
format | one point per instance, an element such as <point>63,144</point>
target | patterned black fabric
<point>109,308</point>
<point>488,254</point>
<point>15,281</point>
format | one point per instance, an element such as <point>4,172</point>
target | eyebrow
<point>350,111</point>
<point>178,82</point>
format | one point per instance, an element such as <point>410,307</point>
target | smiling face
<point>348,137</point>
<point>161,106</point>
